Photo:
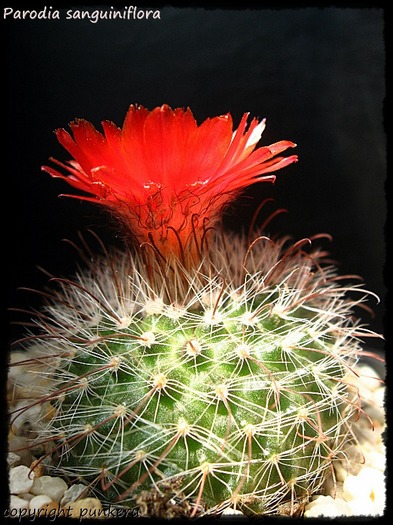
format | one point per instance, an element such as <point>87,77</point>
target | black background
<point>316,74</point>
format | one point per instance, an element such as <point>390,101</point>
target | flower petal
<point>164,175</point>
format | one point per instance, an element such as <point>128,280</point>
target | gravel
<point>54,487</point>
<point>20,479</point>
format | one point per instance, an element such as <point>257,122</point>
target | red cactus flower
<point>165,176</point>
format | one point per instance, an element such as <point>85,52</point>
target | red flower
<point>166,177</point>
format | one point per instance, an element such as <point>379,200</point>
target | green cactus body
<point>234,396</point>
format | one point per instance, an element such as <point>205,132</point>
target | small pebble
<point>72,493</point>
<point>53,507</point>
<point>86,508</point>
<point>13,459</point>
<point>366,492</point>
<point>362,485</point>
<point>327,506</point>
<point>39,501</point>
<point>54,487</point>
<point>21,479</point>
<point>365,507</point>
<point>18,503</point>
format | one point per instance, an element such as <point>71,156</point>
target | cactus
<point>209,371</point>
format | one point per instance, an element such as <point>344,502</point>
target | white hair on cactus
<point>232,388</point>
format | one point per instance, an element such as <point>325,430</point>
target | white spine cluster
<point>118,356</point>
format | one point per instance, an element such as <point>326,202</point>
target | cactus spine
<point>235,395</point>
<point>197,367</point>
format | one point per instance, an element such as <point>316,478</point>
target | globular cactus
<point>203,368</point>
